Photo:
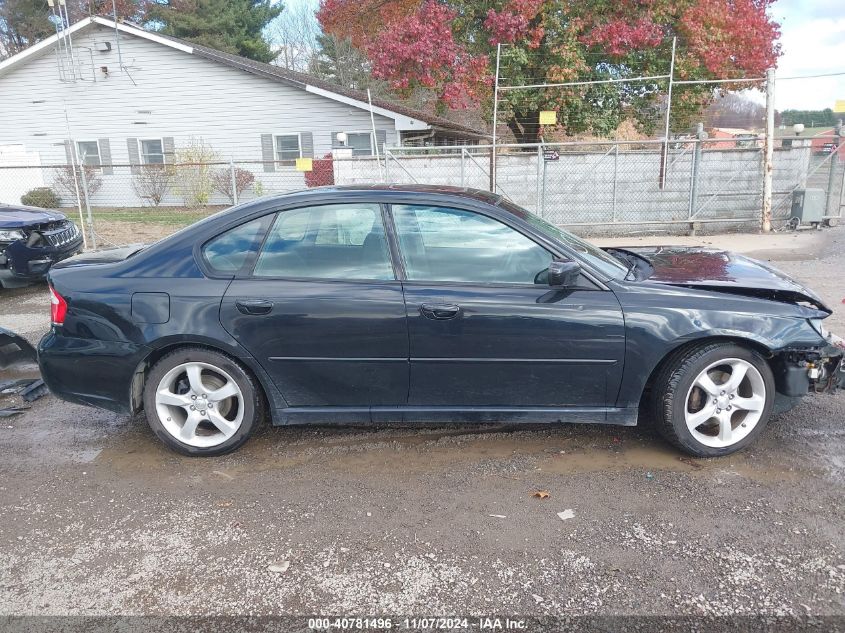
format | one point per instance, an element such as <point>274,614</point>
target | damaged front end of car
<point>817,369</point>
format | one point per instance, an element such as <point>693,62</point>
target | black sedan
<point>392,303</point>
<point>31,240</point>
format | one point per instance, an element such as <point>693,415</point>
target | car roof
<point>388,189</point>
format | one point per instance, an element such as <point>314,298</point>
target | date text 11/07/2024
<point>417,623</point>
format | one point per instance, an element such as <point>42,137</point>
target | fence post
<point>87,202</point>
<point>831,177</point>
<point>387,155</point>
<point>664,158</point>
<point>234,181</point>
<point>463,151</point>
<point>540,162</point>
<point>495,115</point>
<point>700,136</point>
<point>615,180</point>
<point>768,151</point>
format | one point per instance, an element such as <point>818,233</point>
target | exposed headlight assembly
<point>818,326</point>
<point>10,235</point>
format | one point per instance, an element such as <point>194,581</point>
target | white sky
<point>813,40</point>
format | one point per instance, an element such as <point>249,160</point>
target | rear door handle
<point>440,311</point>
<point>254,306</point>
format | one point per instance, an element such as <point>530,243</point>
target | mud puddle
<point>565,450</point>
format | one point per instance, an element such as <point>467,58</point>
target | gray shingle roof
<point>301,80</point>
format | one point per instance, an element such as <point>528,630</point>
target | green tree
<point>22,24</point>
<point>811,118</point>
<point>338,61</point>
<point>231,26</point>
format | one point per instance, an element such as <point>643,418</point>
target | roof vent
<point>103,47</point>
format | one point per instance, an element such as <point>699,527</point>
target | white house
<point>123,97</point>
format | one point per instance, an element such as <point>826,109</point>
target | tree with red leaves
<point>447,48</point>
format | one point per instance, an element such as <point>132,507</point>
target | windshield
<point>595,256</point>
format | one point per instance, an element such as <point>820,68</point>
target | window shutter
<point>268,154</point>
<point>381,141</point>
<point>105,156</point>
<point>306,144</point>
<point>134,157</point>
<point>69,160</point>
<point>169,149</point>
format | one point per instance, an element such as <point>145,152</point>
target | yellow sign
<point>839,106</point>
<point>548,117</point>
<point>304,164</point>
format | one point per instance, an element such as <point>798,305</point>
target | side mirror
<point>564,273</point>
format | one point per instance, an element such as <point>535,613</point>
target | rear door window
<point>339,241</point>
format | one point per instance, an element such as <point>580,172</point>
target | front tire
<point>201,403</point>
<point>713,400</point>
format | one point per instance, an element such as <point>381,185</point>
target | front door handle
<point>254,306</point>
<point>440,311</point>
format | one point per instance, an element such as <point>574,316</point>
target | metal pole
<point>615,177</point>
<point>69,38</point>
<point>768,151</point>
<point>539,167</point>
<point>117,35</point>
<point>495,120</point>
<point>463,151</point>
<point>831,176</point>
<point>375,138</point>
<point>841,194</point>
<point>700,135</point>
<point>234,181</point>
<point>87,202</point>
<point>75,182</point>
<point>543,201</point>
<point>665,158</point>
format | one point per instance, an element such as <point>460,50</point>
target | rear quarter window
<point>229,252</point>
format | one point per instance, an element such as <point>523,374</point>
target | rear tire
<point>714,399</point>
<point>201,402</point>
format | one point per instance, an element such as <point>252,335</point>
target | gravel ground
<point>99,518</point>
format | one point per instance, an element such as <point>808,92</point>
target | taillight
<point>58,307</point>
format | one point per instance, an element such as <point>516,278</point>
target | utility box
<point>808,205</point>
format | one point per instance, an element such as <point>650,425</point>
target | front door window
<point>444,244</point>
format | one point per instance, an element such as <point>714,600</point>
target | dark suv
<point>31,240</point>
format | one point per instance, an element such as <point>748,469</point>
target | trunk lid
<point>104,256</point>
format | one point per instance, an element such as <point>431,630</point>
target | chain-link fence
<point>124,203</point>
<point>701,183</point>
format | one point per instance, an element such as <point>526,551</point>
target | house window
<point>152,151</point>
<point>288,147</point>
<point>89,153</point>
<point>360,142</point>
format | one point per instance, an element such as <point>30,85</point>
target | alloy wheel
<point>725,402</point>
<point>199,404</point>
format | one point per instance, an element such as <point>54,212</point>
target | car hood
<point>23,217</point>
<point>724,271</point>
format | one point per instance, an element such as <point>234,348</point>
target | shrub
<point>153,182</point>
<point>41,197</point>
<point>322,172</point>
<point>65,185</point>
<point>221,180</point>
<point>194,180</point>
